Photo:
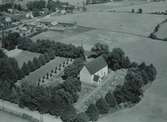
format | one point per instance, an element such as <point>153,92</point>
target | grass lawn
<point>33,78</point>
<point>6,117</point>
<point>22,56</point>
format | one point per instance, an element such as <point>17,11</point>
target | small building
<point>94,71</point>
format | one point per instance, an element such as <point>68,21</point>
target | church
<point>94,71</point>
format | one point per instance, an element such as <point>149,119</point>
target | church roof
<point>96,65</point>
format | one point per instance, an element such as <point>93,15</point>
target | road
<point>14,108</point>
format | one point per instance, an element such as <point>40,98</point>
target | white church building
<point>93,72</point>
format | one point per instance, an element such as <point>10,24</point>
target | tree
<point>151,72</point>
<point>81,117</point>
<point>36,63</point>
<point>6,88</point>
<point>25,69</point>
<point>26,43</point>
<point>73,69</point>
<point>133,10</point>
<point>92,112</point>
<point>69,114</point>
<point>11,40</point>
<point>46,55</point>
<point>31,66</point>
<point>102,106</point>
<point>100,49</point>
<point>2,54</point>
<point>110,99</point>
<point>8,69</point>
<point>42,59</point>
<point>140,11</point>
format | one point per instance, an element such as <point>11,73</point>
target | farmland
<point>22,56</point>
<point>5,117</point>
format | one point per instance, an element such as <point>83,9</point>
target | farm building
<point>94,71</point>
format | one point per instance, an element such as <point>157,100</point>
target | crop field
<point>139,24</point>
<point>5,117</point>
<point>57,35</point>
<point>147,8</point>
<point>22,56</point>
<point>33,78</point>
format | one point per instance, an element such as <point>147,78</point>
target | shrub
<point>110,99</point>
<point>102,106</point>
<point>92,112</point>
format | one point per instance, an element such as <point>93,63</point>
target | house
<point>94,71</point>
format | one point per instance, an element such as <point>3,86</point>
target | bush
<point>92,112</point>
<point>81,117</point>
<point>110,99</point>
<point>102,106</point>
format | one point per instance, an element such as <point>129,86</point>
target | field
<point>147,8</point>
<point>138,24</point>
<point>56,35</point>
<point>162,32</point>
<point>5,117</point>
<point>112,5</point>
<point>33,78</point>
<point>153,107</point>
<point>22,56</point>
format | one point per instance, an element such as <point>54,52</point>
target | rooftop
<point>96,65</point>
